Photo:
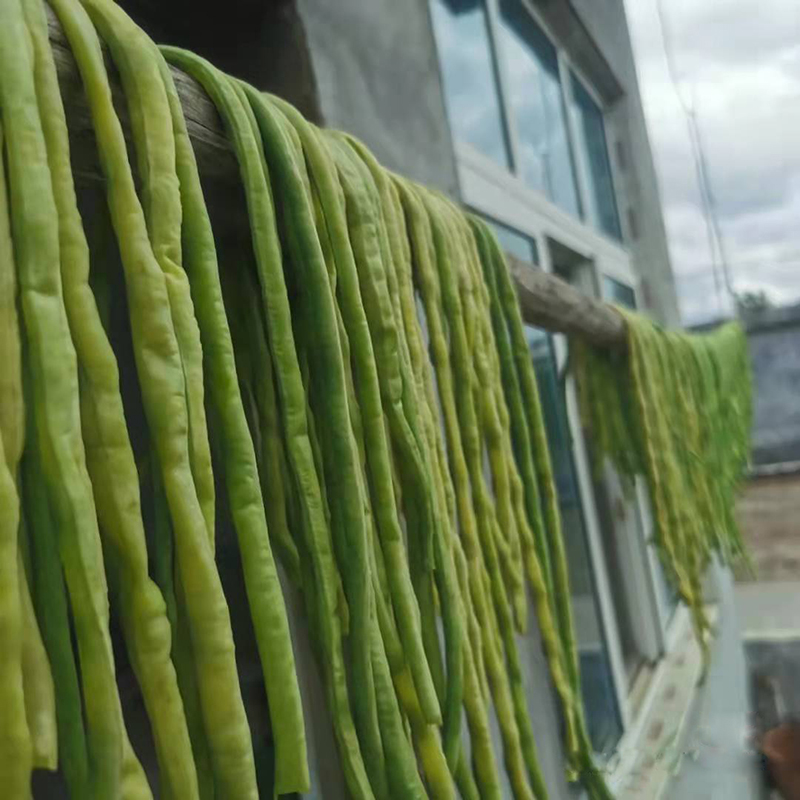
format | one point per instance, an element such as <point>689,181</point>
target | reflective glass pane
<point>468,75</point>
<point>518,244</point>
<point>534,89</point>
<point>615,291</point>
<point>599,698</point>
<point>592,135</point>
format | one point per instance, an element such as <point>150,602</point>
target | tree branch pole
<point>546,301</point>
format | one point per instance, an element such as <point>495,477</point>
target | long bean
<point>383,296</point>
<point>16,756</point>
<point>109,454</point>
<point>519,746</point>
<point>163,392</point>
<point>292,397</point>
<point>422,237</point>
<point>55,395</point>
<point>338,446</point>
<point>137,59</point>
<point>37,681</point>
<point>519,433</point>
<point>369,398</point>
<point>261,579</point>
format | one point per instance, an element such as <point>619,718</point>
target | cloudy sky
<point>738,64</point>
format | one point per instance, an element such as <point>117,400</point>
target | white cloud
<point>738,65</point>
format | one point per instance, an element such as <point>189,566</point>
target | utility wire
<point>716,245</point>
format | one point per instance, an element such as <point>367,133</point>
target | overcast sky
<point>738,62</point>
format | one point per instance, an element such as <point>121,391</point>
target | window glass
<point>518,244</point>
<point>599,698</point>
<point>592,140</point>
<point>615,291</point>
<point>535,96</point>
<point>468,75</point>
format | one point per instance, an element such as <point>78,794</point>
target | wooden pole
<point>551,303</point>
<point>545,300</point>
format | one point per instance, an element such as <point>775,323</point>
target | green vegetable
<point>54,391</point>
<point>676,407</point>
<point>363,374</point>
<point>261,578</point>
<point>108,451</point>
<point>163,392</point>
<point>293,403</point>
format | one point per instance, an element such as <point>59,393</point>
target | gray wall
<point>775,358</point>
<point>378,77</point>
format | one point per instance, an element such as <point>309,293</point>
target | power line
<point>716,245</point>
<point>778,264</point>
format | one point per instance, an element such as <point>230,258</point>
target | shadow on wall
<point>264,43</point>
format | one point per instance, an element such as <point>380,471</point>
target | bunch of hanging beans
<point>348,392</point>
<point>676,408</point>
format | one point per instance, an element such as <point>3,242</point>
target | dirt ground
<point>769,514</point>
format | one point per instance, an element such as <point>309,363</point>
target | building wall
<point>775,358</point>
<point>377,77</point>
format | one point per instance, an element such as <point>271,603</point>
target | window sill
<point>650,751</point>
<point>494,191</point>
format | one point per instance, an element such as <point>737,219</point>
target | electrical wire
<point>716,244</point>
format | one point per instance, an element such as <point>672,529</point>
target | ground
<point>767,602</point>
<point>769,514</point>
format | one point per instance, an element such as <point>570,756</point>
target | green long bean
<point>163,391</point>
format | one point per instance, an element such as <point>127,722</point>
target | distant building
<point>774,338</point>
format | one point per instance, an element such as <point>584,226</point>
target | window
<point>468,75</point>
<point>599,696</point>
<point>615,291</point>
<point>535,97</point>
<point>515,111</point>
<point>519,245</point>
<point>601,200</point>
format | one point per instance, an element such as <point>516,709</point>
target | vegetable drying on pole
<point>354,350</point>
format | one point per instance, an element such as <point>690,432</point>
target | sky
<point>737,64</point>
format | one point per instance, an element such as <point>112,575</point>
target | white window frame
<point>568,68</point>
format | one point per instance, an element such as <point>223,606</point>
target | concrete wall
<point>378,77</point>
<point>775,357</point>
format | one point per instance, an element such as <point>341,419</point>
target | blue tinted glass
<point>468,74</point>
<point>615,291</point>
<point>519,245</point>
<point>535,95</point>
<point>599,699</point>
<point>602,200</point>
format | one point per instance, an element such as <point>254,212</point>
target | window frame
<point>508,121</point>
<point>569,69</point>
